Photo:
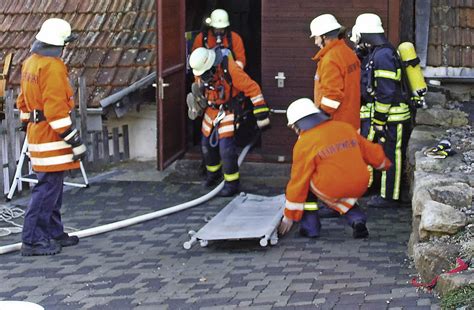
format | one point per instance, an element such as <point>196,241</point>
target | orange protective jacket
<point>337,82</point>
<point>45,86</point>
<point>331,160</point>
<point>238,49</point>
<point>241,82</point>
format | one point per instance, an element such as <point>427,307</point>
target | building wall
<point>286,47</point>
<point>142,131</point>
<point>451,35</point>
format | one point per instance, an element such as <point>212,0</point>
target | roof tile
<point>77,57</point>
<point>141,72</point>
<point>95,58</point>
<point>135,38</point>
<point>119,39</point>
<point>112,21</point>
<point>71,6</point>
<point>144,57</point>
<point>128,20</point>
<point>96,22</point>
<point>112,58</point>
<point>98,94</point>
<point>86,6</point>
<point>102,6</point>
<point>82,21</point>
<point>149,40</point>
<point>55,6</point>
<point>6,23</point>
<point>128,57</point>
<point>106,76</point>
<point>122,77</point>
<point>148,6</point>
<point>90,74</point>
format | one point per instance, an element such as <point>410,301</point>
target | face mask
<point>208,76</point>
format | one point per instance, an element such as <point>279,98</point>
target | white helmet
<point>368,23</point>
<point>201,60</point>
<point>299,109</point>
<point>219,19</point>
<point>323,24</point>
<point>54,31</point>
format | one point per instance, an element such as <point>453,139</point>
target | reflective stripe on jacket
<point>241,82</point>
<point>333,158</point>
<point>337,82</point>
<point>45,86</point>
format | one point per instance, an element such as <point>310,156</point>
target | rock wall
<point>442,193</point>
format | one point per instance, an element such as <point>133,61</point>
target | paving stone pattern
<point>145,266</point>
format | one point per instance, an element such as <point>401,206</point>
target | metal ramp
<point>247,216</point>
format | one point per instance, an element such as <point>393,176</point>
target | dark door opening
<point>245,19</point>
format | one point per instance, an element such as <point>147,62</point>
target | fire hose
<point>145,217</point>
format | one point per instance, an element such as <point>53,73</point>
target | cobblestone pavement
<point>145,266</point>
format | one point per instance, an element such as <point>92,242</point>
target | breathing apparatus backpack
<point>412,76</point>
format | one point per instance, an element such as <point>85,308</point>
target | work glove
<point>71,137</point>
<point>285,225</point>
<point>79,152</point>
<point>380,134</point>
<point>261,114</point>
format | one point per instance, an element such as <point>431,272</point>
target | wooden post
<point>11,131</point>
<point>126,145</point>
<point>95,149</point>
<point>116,144</point>
<point>105,142</point>
<point>3,180</point>
<point>83,108</point>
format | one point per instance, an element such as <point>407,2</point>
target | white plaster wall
<point>141,129</point>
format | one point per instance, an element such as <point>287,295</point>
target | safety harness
<point>235,105</point>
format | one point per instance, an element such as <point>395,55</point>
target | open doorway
<point>245,19</point>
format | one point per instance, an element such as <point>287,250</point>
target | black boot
<point>230,189</point>
<point>213,178</point>
<point>49,247</point>
<point>65,240</point>
<point>359,230</point>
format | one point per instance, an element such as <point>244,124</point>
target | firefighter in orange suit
<point>219,35</point>
<point>337,79</point>
<point>45,103</point>
<point>330,160</point>
<point>222,79</point>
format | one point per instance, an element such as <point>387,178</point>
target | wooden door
<point>287,48</point>
<point>170,81</point>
